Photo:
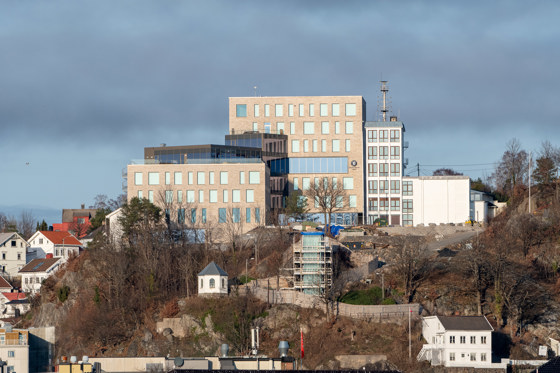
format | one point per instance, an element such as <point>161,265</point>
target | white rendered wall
<point>204,284</point>
<point>440,199</point>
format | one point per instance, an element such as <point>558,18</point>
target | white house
<point>59,244</point>
<point>12,253</point>
<point>13,304</point>
<point>37,270</point>
<point>457,341</point>
<point>212,280</point>
<point>113,227</point>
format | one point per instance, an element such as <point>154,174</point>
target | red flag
<point>302,353</point>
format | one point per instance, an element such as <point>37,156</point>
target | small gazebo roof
<point>213,269</point>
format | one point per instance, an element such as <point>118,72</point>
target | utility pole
<point>418,168</point>
<point>409,334</point>
<point>530,163</point>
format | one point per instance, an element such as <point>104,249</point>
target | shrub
<point>62,293</point>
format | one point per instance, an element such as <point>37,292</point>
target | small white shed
<point>213,280</point>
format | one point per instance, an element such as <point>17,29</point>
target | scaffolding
<point>313,259</point>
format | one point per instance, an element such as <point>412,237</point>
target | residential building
<point>212,280</point>
<point>37,270</point>
<point>313,263</point>
<point>13,304</point>
<point>76,221</point>
<point>14,349</point>
<point>58,244</point>
<point>5,286</point>
<point>13,249</point>
<point>324,142</point>
<point>112,227</point>
<point>457,341</point>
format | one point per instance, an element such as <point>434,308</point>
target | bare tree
<point>231,227</point>
<point>446,172</point>
<point>328,198</point>
<point>527,231</point>
<point>411,263</point>
<point>26,224</point>
<point>512,169</point>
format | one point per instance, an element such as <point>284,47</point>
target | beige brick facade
<point>205,189</point>
<point>320,127</point>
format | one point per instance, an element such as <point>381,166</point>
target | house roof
<point>68,215</point>
<point>7,236</point>
<point>4,283</point>
<point>479,323</point>
<point>61,238</point>
<point>39,265</point>
<point>552,366</point>
<point>213,269</point>
<point>14,296</point>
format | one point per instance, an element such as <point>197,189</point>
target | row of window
<point>4,255</point>
<point>253,177</point>
<point>382,169</point>
<point>309,165</point>
<point>382,187</point>
<point>190,196</point>
<point>382,152</point>
<point>386,203</point>
<point>339,203</point>
<point>463,339</point>
<point>301,109</point>
<point>212,283</point>
<point>472,356</point>
<point>31,280</point>
<point>347,182</point>
<point>232,215</point>
<point>308,128</point>
<point>313,146</point>
<point>384,135</point>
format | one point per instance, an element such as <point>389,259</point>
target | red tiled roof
<point>39,265</point>
<point>4,283</point>
<point>58,237</point>
<point>14,296</point>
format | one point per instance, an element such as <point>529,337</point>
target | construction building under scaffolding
<point>313,263</point>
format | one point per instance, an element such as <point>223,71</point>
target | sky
<point>85,86</point>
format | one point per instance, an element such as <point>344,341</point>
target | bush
<point>62,293</point>
<point>366,297</point>
<point>388,301</point>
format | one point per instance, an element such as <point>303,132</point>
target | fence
<point>380,312</point>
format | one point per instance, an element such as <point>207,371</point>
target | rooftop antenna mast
<point>384,91</point>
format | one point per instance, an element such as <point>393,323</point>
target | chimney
<point>49,256</point>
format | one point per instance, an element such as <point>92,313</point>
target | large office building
<point>324,143</point>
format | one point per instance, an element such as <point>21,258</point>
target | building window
<point>384,186</point>
<point>290,110</point>
<point>372,152</point>
<point>213,198</point>
<point>324,110</point>
<point>347,146</point>
<point>254,177</point>
<point>257,215</point>
<point>395,204</point>
<point>349,127</point>
<point>301,110</point>
<point>407,188</point>
<point>372,169</point>
<point>296,183</point>
<point>383,135</point>
<point>203,215</point>
<point>280,128</point>
<point>250,196</point>
<point>181,216</point>
<point>395,152</point>
<point>372,204</point>
<point>335,110</point>
<point>324,146</point>
<point>295,146</point>
<point>348,183</point>
<point>223,177</point>
<point>395,187</point>
<point>407,205</point>
<point>19,256</point>
<point>255,127</point>
<point>222,215</point>
<point>190,196</point>
<point>337,128</point>
<point>200,178</point>
<point>482,356</point>
<point>336,145</point>
<point>315,146</point>
<point>279,110</point>
<point>451,339</point>
<point>168,196</point>
<point>372,136</point>
<point>236,196</point>
<point>350,110</point>
<point>241,177</point>
<point>383,152</point>
<point>167,178</point>
<point>352,201</point>
<point>256,110</point>
<point>201,283</point>
<point>11,353</point>
<point>178,178</point>
<point>383,204</point>
<point>311,110</point>
<point>241,110</point>
<point>305,183</point>
<point>462,339</point>
<point>473,339</point>
<point>383,169</point>
<point>308,128</point>
<point>248,215</point>
<point>292,128</point>
<point>325,128</point>
<point>153,178</point>
<point>452,356</point>
<point>407,220</point>
<point>266,110</point>
<point>395,169</point>
<point>395,135</point>
<point>372,186</point>
<point>200,196</point>
<point>236,214</point>
<point>473,356</point>
<point>151,196</point>
<point>211,178</point>
<point>212,283</point>
<point>138,178</point>
<point>483,340</point>
<point>306,146</point>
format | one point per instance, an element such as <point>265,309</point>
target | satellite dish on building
<point>178,361</point>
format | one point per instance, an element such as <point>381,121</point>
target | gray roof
<point>477,323</point>
<point>213,269</point>
<point>6,236</point>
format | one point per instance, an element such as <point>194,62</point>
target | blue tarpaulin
<point>335,229</point>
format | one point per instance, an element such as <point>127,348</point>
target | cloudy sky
<point>85,86</point>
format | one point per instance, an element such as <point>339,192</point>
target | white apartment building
<point>457,341</point>
<point>13,249</point>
